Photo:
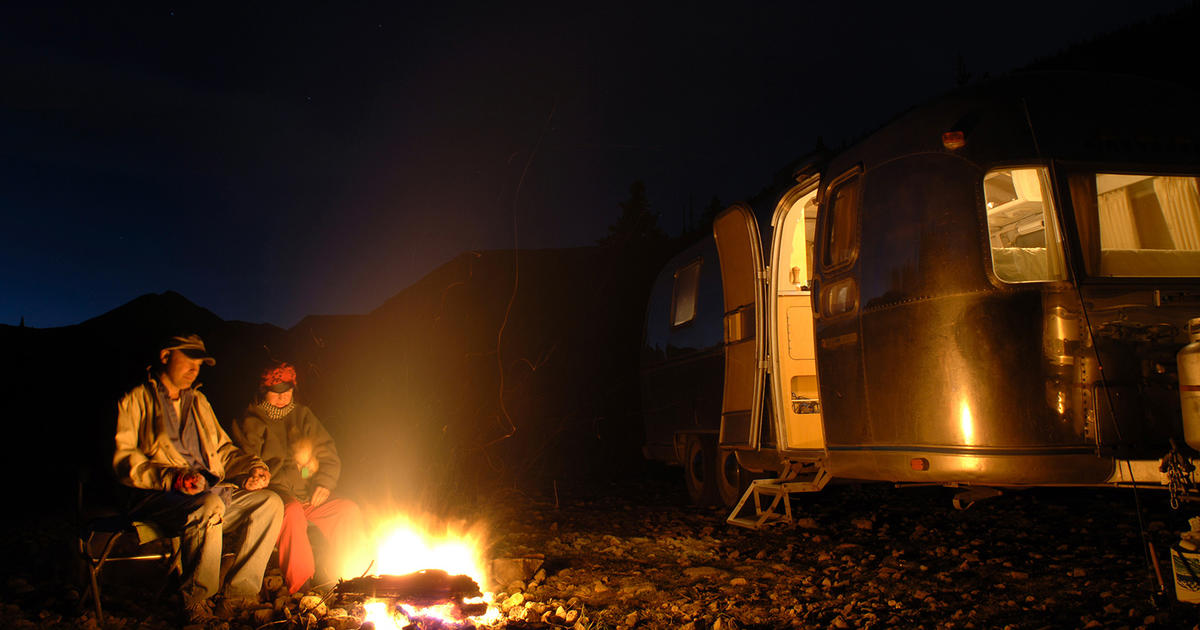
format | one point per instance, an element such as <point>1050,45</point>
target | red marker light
<point>919,463</point>
<point>954,140</point>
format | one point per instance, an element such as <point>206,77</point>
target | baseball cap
<point>191,346</point>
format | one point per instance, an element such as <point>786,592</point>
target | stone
<point>272,583</point>
<point>312,604</point>
<point>519,569</point>
<point>699,572</point>
<point>516,599</point>
<point>263,615</point>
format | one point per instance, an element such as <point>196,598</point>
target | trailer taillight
<point>919,463</point>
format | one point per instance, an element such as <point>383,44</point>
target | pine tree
<point>637,225</point>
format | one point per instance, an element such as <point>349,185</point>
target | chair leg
<point>96,597</point>
<point>93,567</point>
<point>174,565</point>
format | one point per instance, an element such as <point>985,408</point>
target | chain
<point>1179,471</point>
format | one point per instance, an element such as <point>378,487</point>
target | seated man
<point>183,466</point>
<point>304,471</point>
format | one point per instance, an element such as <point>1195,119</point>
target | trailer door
<point>794,392</point>
<point>739,249</point>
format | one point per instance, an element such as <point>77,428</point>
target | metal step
<point>792,479</point>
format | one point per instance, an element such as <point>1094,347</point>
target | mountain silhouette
<point>455,382</point>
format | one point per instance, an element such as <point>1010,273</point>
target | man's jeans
<point>252,520</point>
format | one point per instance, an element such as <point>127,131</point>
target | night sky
<point>275,160</point>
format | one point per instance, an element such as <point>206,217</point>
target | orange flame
<point>405,545</point>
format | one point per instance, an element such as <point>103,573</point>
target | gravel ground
<point>634,555</point>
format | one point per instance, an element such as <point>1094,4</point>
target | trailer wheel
<point>699,469</point>
<point>732,479</point>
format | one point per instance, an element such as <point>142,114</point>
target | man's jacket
<point>146,458</point>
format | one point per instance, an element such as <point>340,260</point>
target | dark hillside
<point>412,391</point>
<point>443,386</point>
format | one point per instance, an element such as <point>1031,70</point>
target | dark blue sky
<point>274,160</point>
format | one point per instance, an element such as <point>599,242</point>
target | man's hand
<point>319,495</point>
<point>258,478</point>
<point>190,482</point>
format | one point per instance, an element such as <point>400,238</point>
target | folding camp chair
<point>112,536</point>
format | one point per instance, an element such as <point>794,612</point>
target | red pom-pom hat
<point>280,378</point>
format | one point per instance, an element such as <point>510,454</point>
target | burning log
<point>422,589</point>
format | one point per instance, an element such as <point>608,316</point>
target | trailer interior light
<point>919,463</point>
<point>954,140</point>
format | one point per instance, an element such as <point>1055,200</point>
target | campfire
<point>424,579</point>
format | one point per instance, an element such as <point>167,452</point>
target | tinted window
<point>842,228</point>
<point>683,296</point>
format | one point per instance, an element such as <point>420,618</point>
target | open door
<point>795,394</point>
<point>739,249</point>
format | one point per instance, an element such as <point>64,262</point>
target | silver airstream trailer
<point>990,291</point>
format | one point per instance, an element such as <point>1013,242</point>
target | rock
<point>516,599</point>
<point>312,604</point>
<point>630,620</point>
<point>738,581</point>
<point>263,615</point>
<point>862,523</point>
<point>272,583</point>
<point>520,569</point>
<point>699,572</point>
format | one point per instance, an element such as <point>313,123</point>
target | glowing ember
<point>406,547</point>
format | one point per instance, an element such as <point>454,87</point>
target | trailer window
<point>1138,225</point>
<point>841,231</point>
<point>798,228</point>
<point>1026,243</point>
<point>683,295</point>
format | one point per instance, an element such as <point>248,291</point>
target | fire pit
<point>429,576</point>
<point>411,594</point>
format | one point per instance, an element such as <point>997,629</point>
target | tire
<point>732,479</point>
<point>700,469</point>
